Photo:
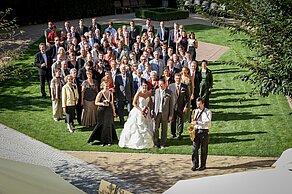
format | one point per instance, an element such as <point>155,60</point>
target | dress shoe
<point>179,137</point>
<point>202,168</point>
<point>72,127</point>
<point>194,168</point>
<point>173,136</point>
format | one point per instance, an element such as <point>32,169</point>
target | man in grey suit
<point>163,112</point>
<point>181,101</point>
<point>124,88</point>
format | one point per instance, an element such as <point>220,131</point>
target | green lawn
<point>242,125</point>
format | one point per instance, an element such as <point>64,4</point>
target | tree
<point>7,32</point>
<point>7,25</point>
<point>268,26</point>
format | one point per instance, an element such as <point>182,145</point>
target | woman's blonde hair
<point>67,78</point>
<point>102,85</point>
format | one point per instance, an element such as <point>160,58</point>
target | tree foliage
<point>268,25</point>
<point>7,24</point>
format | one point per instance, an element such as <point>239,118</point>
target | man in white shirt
<point>202,124</point>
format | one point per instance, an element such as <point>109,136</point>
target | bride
<point>138,130</point>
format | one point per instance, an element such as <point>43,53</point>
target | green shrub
<point>160,13</point>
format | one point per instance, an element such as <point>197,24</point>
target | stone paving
<point>19,147</point>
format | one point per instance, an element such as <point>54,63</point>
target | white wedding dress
<point>138,131</point>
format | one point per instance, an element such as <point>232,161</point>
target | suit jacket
<point>81,75</point>
<point>82,30</point>
<point>174,71</point>
<point>69,97</point>
<point>135,32</point>
<point>166,34</point>
<point>171,38</point>
<point>145,28</point>
<point>77,36</point>
<point>182,99</point>
<point>197,80</point>
<point>136,83</point>
<point>53,51</point>
<point>124,92</point>
<point>167,103</point>
<point>96,26</point>
<point>39,60</point>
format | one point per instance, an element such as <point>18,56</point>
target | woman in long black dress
<point>104,130</point>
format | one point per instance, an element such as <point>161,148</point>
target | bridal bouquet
<point>145,111</point>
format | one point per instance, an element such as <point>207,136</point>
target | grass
<point>242,125</point>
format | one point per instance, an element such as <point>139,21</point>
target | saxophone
<point>192,130</point>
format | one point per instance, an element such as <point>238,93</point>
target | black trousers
<point>43,79</point>
<point>201,140</point>
<point>70,114</point>
<point>179,116</point>
<point>121,104</point>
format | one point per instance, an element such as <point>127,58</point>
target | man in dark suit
<point>162,32</point>
<point>124,88</point>
<point>53,50</point>
<point>181,101</point>
<point>66,28</point>
<point>174,37</point>
<point>43,62</point>
<point>75,34</point>
<point>81,29</point>
<point>147,26</point>
<point>206,83</point>
<point>94,25</point>
<point>138,80</point>
<point>82,72</point>
<point>172,70</point>
<point>196,75</point>
<point>163,112</point>
<point>134,31</point>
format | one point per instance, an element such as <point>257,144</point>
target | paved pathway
<point>19,147</point>
<point>158,172</point>
<point>210,52</point>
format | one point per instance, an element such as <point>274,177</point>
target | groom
<point>181,101</point>
<point>163,112</point>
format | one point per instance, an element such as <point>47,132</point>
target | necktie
<point>177,89</point>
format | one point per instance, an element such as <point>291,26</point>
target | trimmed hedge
<point>162,14</point>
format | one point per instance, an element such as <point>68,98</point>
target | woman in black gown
<point>104,130</point>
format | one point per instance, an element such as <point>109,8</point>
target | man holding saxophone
<point>202,123</point>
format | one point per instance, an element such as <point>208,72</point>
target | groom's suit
<point>163,109</point>
<point>181,101</point>
<point>124,93</point>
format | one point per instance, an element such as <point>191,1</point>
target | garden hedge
<point>162,14</point>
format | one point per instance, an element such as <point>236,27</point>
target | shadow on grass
<point>217,94</point>
<point>23,103</point>
<point>224,71</point>
<point>216,138</point>
<point>248,165</point>
<point>233,116</point>
<point>214,106</point>
<point>230,100</point>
